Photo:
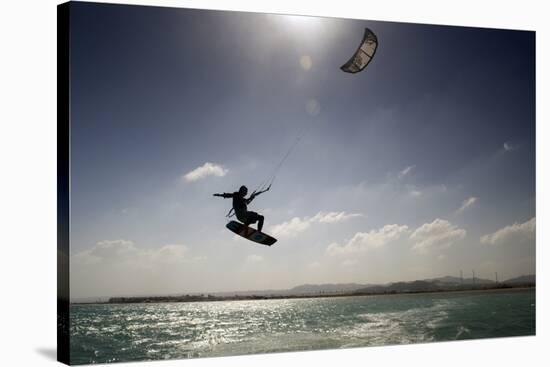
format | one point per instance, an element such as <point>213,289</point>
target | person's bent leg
<point>260,222</point>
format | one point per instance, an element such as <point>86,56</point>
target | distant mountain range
<point>300,290</point>
<point>425,285</point>
<point>446,283</point>
<point>433,284</point>
<point>327,288</point>
<point>522,279</point>
<point>457,280</point>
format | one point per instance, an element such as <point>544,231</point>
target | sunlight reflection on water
<point>131,332</point>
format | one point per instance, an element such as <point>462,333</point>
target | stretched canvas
<point>235,183</point>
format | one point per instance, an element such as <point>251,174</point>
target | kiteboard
<point>250,233</point>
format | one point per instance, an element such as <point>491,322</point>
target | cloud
<point>334,217</point>
<point>120,267</point>
<point>290,228</point>
<point>466,204</point>
<point>171,254</point>
<point>363,241</point>
<point>437,234</point>
<point>405,171</point>
<point>508,147</point>
<point>207,169</point>
<point>513,233</point>
<point>112,250</point>
<point>123,251</point>
<point>297,225</point>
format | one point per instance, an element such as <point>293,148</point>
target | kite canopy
<point>363,55</point>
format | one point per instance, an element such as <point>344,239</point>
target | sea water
<point>133,332</point>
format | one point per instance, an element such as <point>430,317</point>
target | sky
<point>420,166</point>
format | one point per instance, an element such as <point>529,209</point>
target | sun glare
<point>296,24</point>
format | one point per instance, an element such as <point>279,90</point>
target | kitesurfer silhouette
<point>240,203</point>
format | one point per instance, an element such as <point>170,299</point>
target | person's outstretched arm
<point>224,195</point>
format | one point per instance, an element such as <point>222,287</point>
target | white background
<point>28,181</point>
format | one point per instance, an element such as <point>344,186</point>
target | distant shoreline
<point>211,298</point>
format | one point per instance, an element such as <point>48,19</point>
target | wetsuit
<point>240,208</point>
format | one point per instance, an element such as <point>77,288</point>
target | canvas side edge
<point>63,182</point>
